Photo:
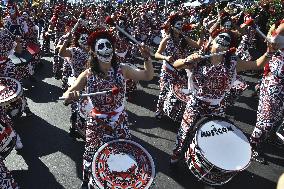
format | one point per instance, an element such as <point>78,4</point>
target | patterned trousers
<point>270,108</point>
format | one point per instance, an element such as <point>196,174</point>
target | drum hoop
<point>132,142</point>
<point>207,118</point>
<point>17,93</point>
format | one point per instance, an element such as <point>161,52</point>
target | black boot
<point>258,155</point>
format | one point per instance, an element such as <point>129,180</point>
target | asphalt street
<point>51,159</point>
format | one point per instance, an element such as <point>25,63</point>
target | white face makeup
<point>178,25</point>
<point>12,11</point>
<point>228,25</point>
<point>25,15</point>
<point>104,51</point>
<point>83,40</point>
<point>223,40</point>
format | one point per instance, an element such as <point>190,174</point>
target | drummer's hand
<point>272,47</point>
<point>71,96</point>
<point>192,59</point>
<point>169,59</point>
<point>145,51</point>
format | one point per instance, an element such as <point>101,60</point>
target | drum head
<point>9,89</point>
<point>224,145</point>
<point>123,164</point>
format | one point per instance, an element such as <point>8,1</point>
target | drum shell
<point>175,104</point>
<point>143,156</point>
<point>14,107</point>
<point>200,166</point>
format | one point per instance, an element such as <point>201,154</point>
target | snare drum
<point>218,151</point>
<point>23,63</point>
<point>7,136</point>
<point>85,106</point>
<point>175,101</point>
<point>11,96</point>
<point>122,164</point>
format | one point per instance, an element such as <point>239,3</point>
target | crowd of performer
<point>202,51</point>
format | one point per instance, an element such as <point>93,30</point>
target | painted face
<point>83,40</point>
<point>223,40</point>
<point>178,25</point>
<point>25,15</point>
<point>12,11</point>
<point>228,24</point>
<point>104,51</point>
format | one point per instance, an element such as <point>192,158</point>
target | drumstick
<point>111,22</point>
<point>82,17</point>
<point>250,22</point>
<point>113,91</point>
<point>231,50</point>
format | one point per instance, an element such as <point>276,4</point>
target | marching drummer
<point>108,120</point>
<point>212,79</point>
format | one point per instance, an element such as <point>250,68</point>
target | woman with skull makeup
<point>108,119</point>
<point>175,45</point>
<point>212,79</point>
<point>76,58</point>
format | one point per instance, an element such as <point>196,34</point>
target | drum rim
<point>207,118</point>
<point>132,142</point>
<point>17,93</point>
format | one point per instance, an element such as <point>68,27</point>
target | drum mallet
<point>113,91</point>
<point>111,22</point>
<point>231,50</point>
<point>250,22</point>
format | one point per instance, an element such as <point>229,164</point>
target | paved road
<point>52,160</point>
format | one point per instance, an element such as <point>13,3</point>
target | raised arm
<point>162,47</point>
<point>138,74</point>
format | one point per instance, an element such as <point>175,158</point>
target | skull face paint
<point>83,40</point>
<point>178,25</point>
<point>12,11</point>
<point>223,40</point>
<point>228,24</point>
<point>104,51</point>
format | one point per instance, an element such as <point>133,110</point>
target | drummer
<point>77,56</point>
<point>212,78</point>
<point>109,119</point>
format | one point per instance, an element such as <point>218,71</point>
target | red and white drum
<point>7,136</point>
<point>11,96</point>
<point>122,164</point>
<point>85,106</point>
<point>218,151</point>
<point>176,99</point>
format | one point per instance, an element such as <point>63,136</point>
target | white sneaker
<point>19,144</point>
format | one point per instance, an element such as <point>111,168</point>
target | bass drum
<point>217,151</point>
<point>122,164</point>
